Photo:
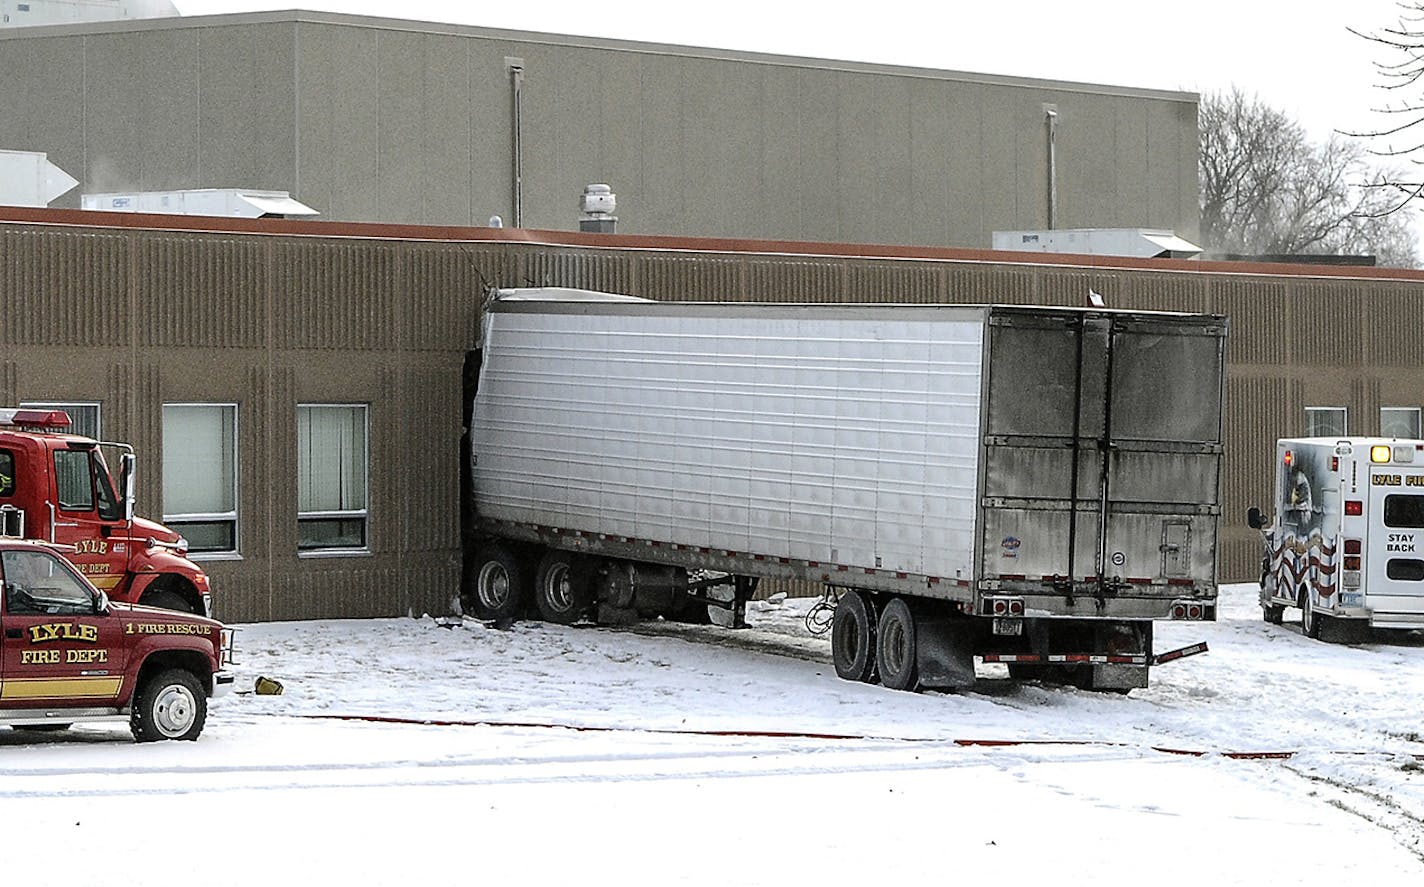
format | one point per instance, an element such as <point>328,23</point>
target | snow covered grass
<point>628,781</point>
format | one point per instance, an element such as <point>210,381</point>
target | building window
<point>331,477</point>
<point>1325,422</point>
<point>200,474</point>
<point>1399,422</point>
<point>83,417</point>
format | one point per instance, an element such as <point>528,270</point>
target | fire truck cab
<point>1346,545</point>
<point>57,488</point>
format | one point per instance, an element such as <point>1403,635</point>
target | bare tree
<point>1402,76</point>
<point>1266,188</point>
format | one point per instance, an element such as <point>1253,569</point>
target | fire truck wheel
<point>500,585</point>
<point>166,599</point>
<point>895,646</point>
<point>563,588</point>
<point>853,638</point>
<point>169,705</point>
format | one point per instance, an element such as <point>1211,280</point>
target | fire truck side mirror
<point>126,484</point>
<point>1254,518</point>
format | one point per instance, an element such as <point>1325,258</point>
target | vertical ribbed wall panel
<point>9,376</point>
<point>1261,313</point>
<point>991,284</point>
<point>430,463</point>
<point>886,281</point>
<point>1071,289</point>
<point>200,291</point>
<point>336,295</point>
<point>133,413</point>
<point>442,294</point>
<point>710,279</point>
<point>1395,320</point>
<point>1257,411</point>
<point>1325,331</point>
<point>63,288</point>
<point>794,279</point>
<point>584,269</point>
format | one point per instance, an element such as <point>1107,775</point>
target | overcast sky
<point>1298,56</point>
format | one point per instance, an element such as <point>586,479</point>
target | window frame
<point>1344,421</point>
<point>1418,429</point>
<point>363,514</point>
<point>176,520</point>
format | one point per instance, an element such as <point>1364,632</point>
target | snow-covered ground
<point>676,755</point>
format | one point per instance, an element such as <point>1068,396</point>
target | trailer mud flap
<point>944,653</point>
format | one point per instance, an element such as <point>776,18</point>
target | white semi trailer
<point>1023,484</point>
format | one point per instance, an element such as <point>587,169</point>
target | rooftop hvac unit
<point>1139,242</point>
<point>18,13</point>
<point>27,178</point>
<point>239,203</point>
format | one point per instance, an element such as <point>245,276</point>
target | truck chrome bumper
<point>223,683</point>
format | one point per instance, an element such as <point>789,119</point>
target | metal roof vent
<point>238,203</point>
<point>1146,243</point>
<point>598,205</point>
<point>27,178</point>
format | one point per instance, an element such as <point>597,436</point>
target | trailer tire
<point>563,587</point>
<point>895,646</point>
<point>853,638</point>
<point>499,585</point>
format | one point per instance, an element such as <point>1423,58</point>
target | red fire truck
<point>68,654</point>
<point>57,488</point>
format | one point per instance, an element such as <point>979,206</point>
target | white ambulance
<point>1346,544</point>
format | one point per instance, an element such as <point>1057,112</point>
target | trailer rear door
<point>1124,410</point>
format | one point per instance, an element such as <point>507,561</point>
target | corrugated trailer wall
<point>136,317</point>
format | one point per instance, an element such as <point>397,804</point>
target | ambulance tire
<point>853,638</point>
<point>499,586</point>
<point>1309,619</point>
<point>895,652</point>
<point>1275,614</point>
<point>169,705</point>
<point>563,588</point>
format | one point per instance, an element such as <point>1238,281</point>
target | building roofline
<point>97,220</point>
<point>294,16</point>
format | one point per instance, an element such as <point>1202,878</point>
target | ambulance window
<point>7,473</point>
<point>76,485</point>
<point>1405,569</point>
<point>1403,511</point>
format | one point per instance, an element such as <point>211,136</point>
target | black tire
<point>895,646</point>
<point>563,587</point>
<point>1275,614</point>
<point>169,705</point>
<point>853,638</point>
<point>167,599</point>
<point>1309,619</point>
<point>499,586</point>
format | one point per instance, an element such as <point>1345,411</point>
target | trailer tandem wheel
<point>563,587</point>
<point>500,584</point>
<point>853,638</point>
<point>895,653</point>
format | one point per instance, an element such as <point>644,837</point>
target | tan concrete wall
<point>137,316</point>
<point>400,122</point>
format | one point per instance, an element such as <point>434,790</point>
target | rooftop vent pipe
<point>598,205</point>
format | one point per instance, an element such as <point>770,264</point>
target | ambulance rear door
<point>1394,551</point>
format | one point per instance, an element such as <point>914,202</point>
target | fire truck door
<point>85,513</point>
<point>56,647</point>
